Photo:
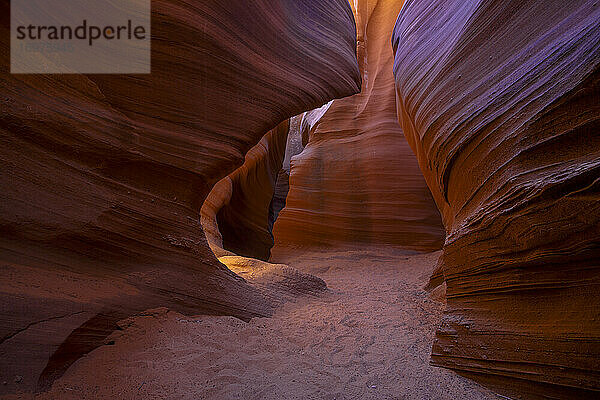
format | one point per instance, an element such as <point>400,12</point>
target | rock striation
<point>357,181</point>
<point>236,213</point>
<point>103,176</point>
<point>500,101</point>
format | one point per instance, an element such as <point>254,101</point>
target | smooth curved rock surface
<point>357,181</point>
<point>500,101</point>
<point>103,176</point>
<point>236,213</point>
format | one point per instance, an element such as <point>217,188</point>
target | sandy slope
<point>368,337</point>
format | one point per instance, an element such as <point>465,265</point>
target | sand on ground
<point>368,337</point>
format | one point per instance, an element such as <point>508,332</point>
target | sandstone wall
<point>357,181</point>
<point>237,210</point>
<point>103,176</point>
<point>500,101</point>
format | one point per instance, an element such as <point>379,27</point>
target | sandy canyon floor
<point>368,337</point>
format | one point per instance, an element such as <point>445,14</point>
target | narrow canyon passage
<point>368,337</point>
<point>315,199</point>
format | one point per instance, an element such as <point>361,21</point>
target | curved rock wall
<point>357,180</point>
<point>500,100</point>
<point>236,213</point>
<point>103,176</point>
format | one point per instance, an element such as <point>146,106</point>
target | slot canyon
<point>309,199</point>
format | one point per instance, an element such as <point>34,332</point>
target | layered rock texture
<point>237,213</point>
<point>500,101</point>
<point>357,181</point>
<point>103,176</point>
